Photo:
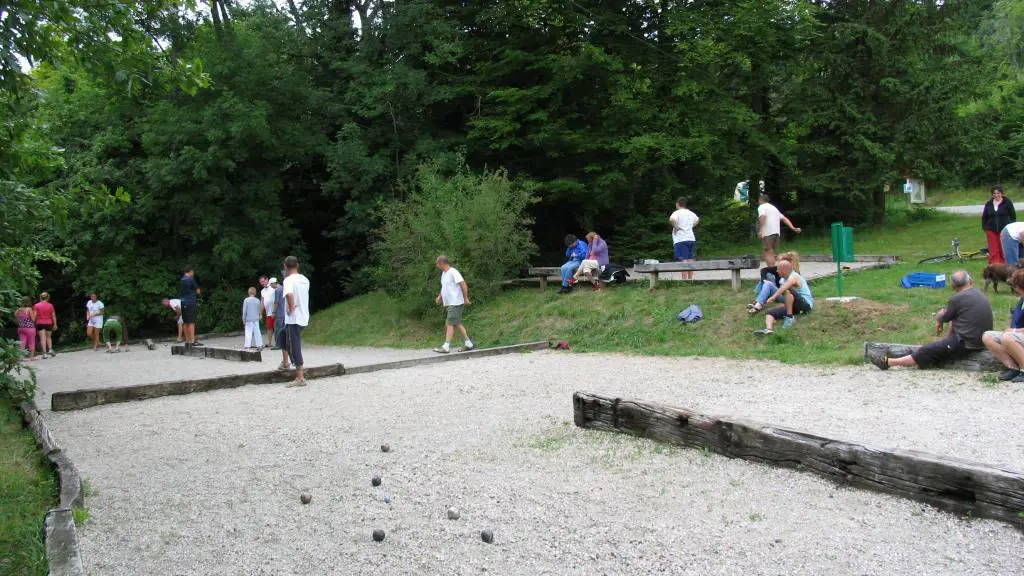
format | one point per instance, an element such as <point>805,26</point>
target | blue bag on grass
<point>691,314</point>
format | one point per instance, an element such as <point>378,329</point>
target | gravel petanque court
<point>210,483</point>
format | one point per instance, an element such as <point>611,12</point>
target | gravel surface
<point>88,369</point>
<point>210,483</point>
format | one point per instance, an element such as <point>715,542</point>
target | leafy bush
<point>478,220</point>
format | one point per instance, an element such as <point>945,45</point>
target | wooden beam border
<point>951,484</point>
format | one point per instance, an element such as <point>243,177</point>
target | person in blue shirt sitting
<point>1008,346</point>
<point>576,252</point>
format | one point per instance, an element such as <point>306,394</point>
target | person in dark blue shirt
<point>189,292</point>
<point>576,252</point>
<point>1008,346</point>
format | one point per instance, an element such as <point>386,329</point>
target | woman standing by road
<point>997,214</point>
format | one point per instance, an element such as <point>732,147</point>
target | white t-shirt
<point>683,220</point>
<point>772,219</point>
<point>268,300</point>
<point>451,292</point>
<point>297,285</point>
<point>1014,229</point>
<point>95,310</point>
<point>174,304</point>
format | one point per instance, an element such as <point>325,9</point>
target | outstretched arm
<point>790,224</point>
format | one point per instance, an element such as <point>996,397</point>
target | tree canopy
<point>143,136</point>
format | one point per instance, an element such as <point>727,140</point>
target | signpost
<point>842,250</point>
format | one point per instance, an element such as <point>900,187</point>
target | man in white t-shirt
<point>454,295</point>
<point>1010,239</point>
<point>769,228</point>
<point>684,242</point>
<point>175,304</point>
<point>296,316</point>
<point>267,296</point>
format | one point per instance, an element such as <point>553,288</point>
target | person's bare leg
<point>181,332</point>
<point>905,361</point>
<point>789,302</point>
<point>1014,349</point>
<point>769,321</point>
<point>688,275</point>
<point>49,341</point>
<point>449,331</point>
<point>42,342</point>
<point>998,349</point>
<point>95,338</point>
<point>769,256</point>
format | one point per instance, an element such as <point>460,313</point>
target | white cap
<point>273,280</point>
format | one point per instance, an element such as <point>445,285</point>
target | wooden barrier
<point>79,399</point>
<point>218,353</point>
<point>980,361</point>
<point>544,272</point>
<point>952,484</point>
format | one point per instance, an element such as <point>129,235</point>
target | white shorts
<point>95,322</point>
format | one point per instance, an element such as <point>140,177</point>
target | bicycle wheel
<point>936,259</point>
<point>974,255</point>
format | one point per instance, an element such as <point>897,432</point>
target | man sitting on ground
<point>796,294</point>
<point>1008,346</point>
<point>971,316</point>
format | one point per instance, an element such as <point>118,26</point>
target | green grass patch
<point>967,196</point>
<point>28,489</point>
<point>631,319</point>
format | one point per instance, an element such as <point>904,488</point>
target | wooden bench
<point>544,273</point>
<point>735,265</point>
<point>977,361</point>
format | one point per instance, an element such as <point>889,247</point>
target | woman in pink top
<point>46,323</point>
<point>26,317</point>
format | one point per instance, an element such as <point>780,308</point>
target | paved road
<point>972,210</point>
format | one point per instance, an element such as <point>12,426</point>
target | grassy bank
<point>631,319</point>
<point>27,490</point>
<point>968,196</point>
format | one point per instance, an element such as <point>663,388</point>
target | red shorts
<point>270,322</point>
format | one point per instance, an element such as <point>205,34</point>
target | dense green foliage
<point>153,135</point>
<point>478,222</point>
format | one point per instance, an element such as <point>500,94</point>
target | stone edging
<point>218,353</point>
<point>61,536</point>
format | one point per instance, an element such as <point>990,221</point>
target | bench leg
<point>736,280</point>
<point>543,282</point>
<point>654,280</point>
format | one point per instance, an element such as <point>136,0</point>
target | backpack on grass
<point>614,274</point>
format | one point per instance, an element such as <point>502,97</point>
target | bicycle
<point>955,254</point>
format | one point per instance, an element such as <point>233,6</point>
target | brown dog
<point>996,273</point>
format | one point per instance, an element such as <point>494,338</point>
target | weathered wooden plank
<point>450,357</point>
<point>79,399</point>
<point>545,271</point>
<point>218,353</point>
<point>951,484</point>
<point>861,258</point>
<point>980,361</point>
<point>744,263</point>
<point>62,555</point>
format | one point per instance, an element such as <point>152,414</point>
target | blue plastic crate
<point>924,280</point>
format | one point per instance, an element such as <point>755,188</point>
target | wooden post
<point>951,484</point>
<point>736,280</point>
<point>654,279</point>
<point>979,361</point>
<point>543,282</point>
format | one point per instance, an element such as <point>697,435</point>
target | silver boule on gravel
<point>375,480</point>
<point>453,513</point>
<point>378,535</point>
<point>306,498</point>
<point>385,447</point>
<point>487,536</point>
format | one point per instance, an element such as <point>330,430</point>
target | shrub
<point>478,220</point>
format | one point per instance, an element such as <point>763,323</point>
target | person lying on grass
<point>970,314</point>
<point>1008,346</point>
<point>794,292</point>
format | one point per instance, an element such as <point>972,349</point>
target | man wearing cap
<point>267,295</point>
